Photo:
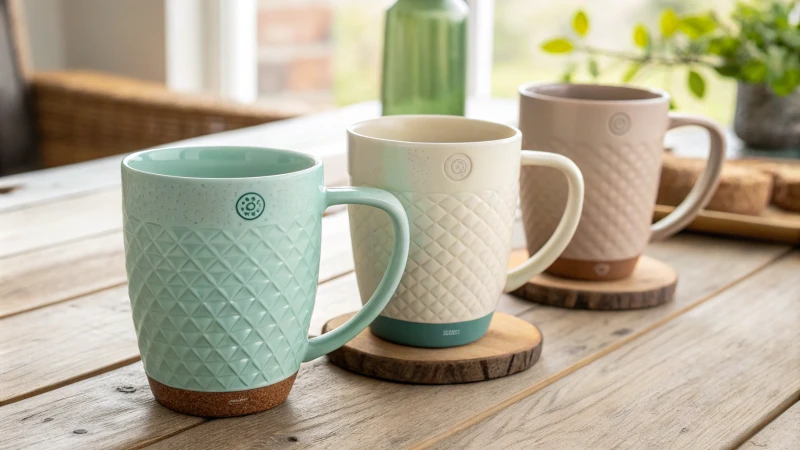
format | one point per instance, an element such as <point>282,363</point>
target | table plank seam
<point>59,243</point>
<point>55,199</point>
<point>526,392</point>
<point>66,299</point>
<point>769,418</point>
<point>68,381</point>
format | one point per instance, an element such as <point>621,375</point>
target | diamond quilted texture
<point>621,186</point>
<point>458,256</point>
<point>222,310</point>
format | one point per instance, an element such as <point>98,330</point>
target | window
<point>328,52</point>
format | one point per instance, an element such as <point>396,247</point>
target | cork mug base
<point>593,270</point>
<point>222,404</point>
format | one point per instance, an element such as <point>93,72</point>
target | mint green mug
<point>222,248</point>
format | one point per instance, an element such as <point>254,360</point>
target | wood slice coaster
<point>511,345</point>
<point>652,283</point>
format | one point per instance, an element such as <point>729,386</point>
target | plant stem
<point>645,59</point>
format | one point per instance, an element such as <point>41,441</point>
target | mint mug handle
<point>377,198</point>
<point>562,236</point>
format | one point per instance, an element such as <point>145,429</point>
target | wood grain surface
<point>717,373</point>
<point>54,274</point>
<point>703,371</point>
<point>783,433</point>
<point>51,224</point>
<point>510,345</point>
<point>327,400</point>
<point>652,283</point>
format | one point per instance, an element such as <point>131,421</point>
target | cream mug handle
<point>704,188</point>
<point>561,237</point>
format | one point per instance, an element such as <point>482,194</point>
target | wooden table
<point>719,367</point>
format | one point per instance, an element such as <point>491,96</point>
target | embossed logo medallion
<point>619,123</point>
<point>602,269</point>
<point>250,206</point>
<point>457,166</point>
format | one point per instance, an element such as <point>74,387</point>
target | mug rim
<point>315,161</point>
<point>529,90</point>
<point>352,130</point>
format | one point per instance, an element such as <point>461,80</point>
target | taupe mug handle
<point>702,191</point>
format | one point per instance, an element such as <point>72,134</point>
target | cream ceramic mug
<point>458,180</point>
<point>615,135</point>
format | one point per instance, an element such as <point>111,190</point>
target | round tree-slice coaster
<point>652,283</point>
<point>511,345</point>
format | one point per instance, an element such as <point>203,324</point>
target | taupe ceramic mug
<point>615,135</point>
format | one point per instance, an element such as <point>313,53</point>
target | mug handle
<point>705,186</point>
<point>561,237</point>
<point>334,339</point>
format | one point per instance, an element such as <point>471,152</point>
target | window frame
<point>212,46</point>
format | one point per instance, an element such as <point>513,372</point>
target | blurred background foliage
<point>521,26</point>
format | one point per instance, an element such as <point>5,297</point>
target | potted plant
<point>759,46</point>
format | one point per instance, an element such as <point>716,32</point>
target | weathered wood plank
<point>94,333</point>
<point>783,433</point>
<point>707,379</point>
<point>54,274</point>
<point>93,411</point>
<point>59,273</point>
<point>59,183</point>
<point>334,408</point>
<point>50,224</point>
<point>66,342</point>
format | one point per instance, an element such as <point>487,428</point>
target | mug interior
<point>591,92</point>
<point>219,162</point>
<point>421,129</point>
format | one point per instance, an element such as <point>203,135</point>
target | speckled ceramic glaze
<point>615,135</point>
<point>457,180</point>
<point>222,250</point>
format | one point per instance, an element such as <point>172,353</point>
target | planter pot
<point>766,120</point>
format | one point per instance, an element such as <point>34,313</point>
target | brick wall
<point>295,51</point>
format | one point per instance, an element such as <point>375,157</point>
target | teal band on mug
<point>377,198</point>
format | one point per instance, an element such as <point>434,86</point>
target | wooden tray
<point>774,225</point>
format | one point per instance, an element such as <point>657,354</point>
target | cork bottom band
<point>222,404</point>
<point>593,270</point>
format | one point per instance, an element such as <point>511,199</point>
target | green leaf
<point>594,70</point>
<point>558,45</point>
<point>697,26</point>
<point>669,22</point>
<point>633,69</point>
<point>697,84</point>
<point>640,36</point>
<point>754,71</point>
<point>580,23</point>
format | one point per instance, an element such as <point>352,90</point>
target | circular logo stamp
<point>619,123</point>
<point>457,166</point>
<point>250,206</point>
<point>602,269</point>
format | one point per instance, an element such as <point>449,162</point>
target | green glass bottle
<point>425,57</point>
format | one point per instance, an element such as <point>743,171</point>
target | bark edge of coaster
<point>652,283</point>
<point>511,345</point>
